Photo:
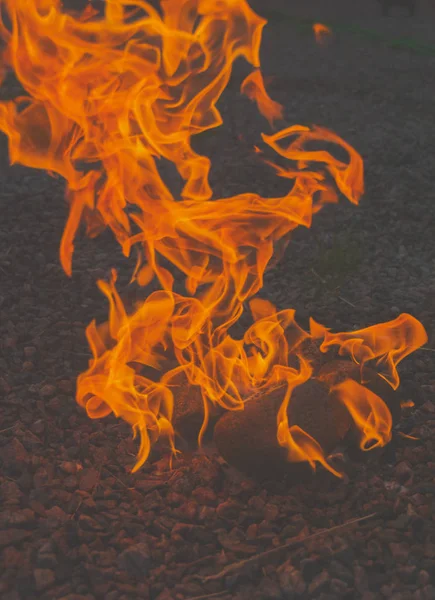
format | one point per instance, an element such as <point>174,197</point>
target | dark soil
<point>75,524</point>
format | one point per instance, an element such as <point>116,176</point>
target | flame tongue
<point>106,98</point>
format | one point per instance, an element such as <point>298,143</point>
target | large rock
<point>247,439</point>
<point>338,370</point>
<point>188,413</point>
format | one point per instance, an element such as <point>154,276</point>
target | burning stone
<point>188,413</point>
<point>247,439</point>
<point>188,407</point>
<point>338,371</point>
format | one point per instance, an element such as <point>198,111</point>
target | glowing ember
<point>115,93</point>
<point>322,33</point>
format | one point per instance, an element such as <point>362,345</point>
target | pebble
<point>44,578</point>
<point>228,510</point>
<point>319,584</point>
<point>310,568</point>
<point>38,426</point>
<point>290,579</point>
<point>47,390</point>
<point>56,513</point>
<point>269,589</point>
<point>400,552</point>
<point>338,587</point>
<point>14,452</point>
<point>404,473</point>
<point>423,578</point>
<point>136,560</point>
<point>88,479</point>
<point>205,495</point>
<point>70,467</point>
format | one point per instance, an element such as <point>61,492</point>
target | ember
<point>322,33</point>
<point>108,95</point>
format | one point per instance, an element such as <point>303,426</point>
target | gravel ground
<point>75,524</point>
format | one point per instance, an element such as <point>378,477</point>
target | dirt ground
<point>75,524</point>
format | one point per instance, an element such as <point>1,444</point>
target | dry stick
<point>259,558</point>
<point>8,428</point>
<point>207,596</point>
<point>338,296</point>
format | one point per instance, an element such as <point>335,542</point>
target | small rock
<point>14,452</point>
<point>56,513</point>
<point>429,407</point>
<point>252,531</point>
<point>429,550</point>
<point>310,568</point>
<point>257,503</point>
<point>423,578</point>
<point>70,467</point>
<point>65,385</point>
<point>400,552</point>
<point>338,587</point>
<point>88,479</point>
<point>204,496</point>
<point>46,561</point>
<point>404,473</point>
<point>426,593</point>
<point>10,493</point>
<point>340,571</point>
<point>291,580</point>
<point>228,510</point>
<point>360,578</point>
<point>401,522</point>
<point>54,404</point>
<point>13,536</point>
<point>136,560</point>
<point>270,589</point>
<point>271,512</point>
<point>17,518</point>
<point>407,573</point>
<point>11,558</point>
<point>47,391</point>
<point>319,584</point>
<point>38,426</point>
<point>44,578</point>
<point>88,524</point>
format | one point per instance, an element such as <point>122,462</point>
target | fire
<point>322,33</point>
<point>106,97</point>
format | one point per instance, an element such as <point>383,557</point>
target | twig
<point>8,428</point>
<point>326,283</point>
<point>347,301</point>
<point>206,596</point>
<point>314,272</point>
<point>260,558</point>
<point>117,478</point>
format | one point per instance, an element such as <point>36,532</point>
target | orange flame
<point>407,404</point>
<point>322,33</point>
<point>108,96</point>
<point>369,412</point>
<point>386,344</point>
<point>253,87</point>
